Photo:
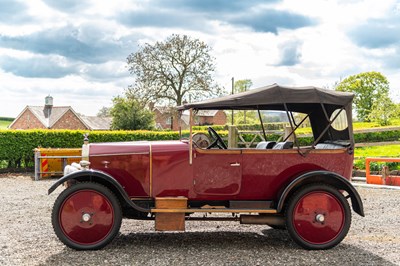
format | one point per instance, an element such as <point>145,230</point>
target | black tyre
<point>318,217</point>
<point>86,216</point>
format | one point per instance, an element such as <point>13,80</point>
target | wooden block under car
<point>170,221</point>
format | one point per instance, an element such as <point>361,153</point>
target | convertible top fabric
<point>273,97</point>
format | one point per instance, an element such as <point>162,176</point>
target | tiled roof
<point>203,113</point>
<point>97,123</point>
<point>211,113</point>
<point>166,109</point>
<point>49,116</point>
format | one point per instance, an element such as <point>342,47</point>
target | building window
<point>168,121</point>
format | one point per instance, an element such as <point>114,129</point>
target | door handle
<point>235,164</point>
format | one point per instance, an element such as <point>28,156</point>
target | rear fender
<point>324,177</point>
<point>99,177</point>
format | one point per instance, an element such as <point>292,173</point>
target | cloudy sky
<point>76,50</point>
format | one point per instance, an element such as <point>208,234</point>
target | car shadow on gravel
<point>270,247</point>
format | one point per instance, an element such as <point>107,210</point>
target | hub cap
<point>320,218</point>
<point>86,217</point>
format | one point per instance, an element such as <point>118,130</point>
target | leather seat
<point>283,145</point>
<point>265,145</point>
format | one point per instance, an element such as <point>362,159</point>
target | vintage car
<point>302,189</point>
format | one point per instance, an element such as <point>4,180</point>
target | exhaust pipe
<point>277,220</point>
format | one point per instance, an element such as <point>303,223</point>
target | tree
<point>130,114</point>
<point>104,112</point>
<point>174,70</point>
<point>242,85</point>
<point>246,117</point>
<point>367,87</point>
<point>382,110</point>
<point>241,117</point>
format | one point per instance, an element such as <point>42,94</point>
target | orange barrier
<point>44,166</point>
<point>385,178</point>
<point>51,161</point>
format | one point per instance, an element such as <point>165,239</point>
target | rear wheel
<point>86,216</point>
<point>318,217</point>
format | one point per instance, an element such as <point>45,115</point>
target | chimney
<point>48,105</point>
<point>48,102</point>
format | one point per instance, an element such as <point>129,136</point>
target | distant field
<point>4,122</point>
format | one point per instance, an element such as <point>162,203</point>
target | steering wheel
<point>217,140</point>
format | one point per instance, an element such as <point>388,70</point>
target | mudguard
<point>100,177</point>
<point>324,177</point>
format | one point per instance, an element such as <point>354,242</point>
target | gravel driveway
<point>27,237</point>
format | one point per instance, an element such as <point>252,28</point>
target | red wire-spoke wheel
<point>318,217</point>
<point>86,216</point>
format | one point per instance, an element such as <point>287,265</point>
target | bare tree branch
<point>173,69</point>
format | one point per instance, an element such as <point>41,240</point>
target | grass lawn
<point>356,126</point>
<point>4,124</point>
<point>376,151</point>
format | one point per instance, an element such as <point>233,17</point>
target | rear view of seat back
<point>328,146</point>
<point>265,145</point>
<point>283,145</point>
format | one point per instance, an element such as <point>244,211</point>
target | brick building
<point>167,118</point>
<point>57,117</point>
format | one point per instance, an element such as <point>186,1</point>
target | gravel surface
<point>27,237</point>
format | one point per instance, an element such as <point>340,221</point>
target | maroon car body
<point>261,174</point>
<point>304,189</point>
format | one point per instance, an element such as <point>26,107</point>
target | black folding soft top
<point>272,97</point>
<point>319,104</point>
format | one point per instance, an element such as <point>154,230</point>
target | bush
<point>9,119</point>
<point>393,135</point>
<point>17,145</point>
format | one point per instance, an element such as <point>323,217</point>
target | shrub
<point>17,145</point>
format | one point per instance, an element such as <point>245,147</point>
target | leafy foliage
<point>368,88</point>
<point>244,117</point>
<point>393,135</point>
<point>130,114</point>
<point>361,153</point>
<point>242,85</point>
<point>382,110</point>
<point>17,145</point>
<point>176,69</point>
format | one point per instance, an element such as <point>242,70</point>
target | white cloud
<point>80,48</point>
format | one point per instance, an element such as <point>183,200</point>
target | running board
<point>213,210</point>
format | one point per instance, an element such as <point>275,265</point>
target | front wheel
<point>318,217</point>
<point>86,216</point>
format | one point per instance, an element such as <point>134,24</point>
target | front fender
<point>100,177</point>
<point>324,177</point>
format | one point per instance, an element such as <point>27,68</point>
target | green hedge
<point>393,135</point>
<point>16,146</point>
<point>9,119</point>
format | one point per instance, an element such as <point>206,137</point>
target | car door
<point>217,172</point>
